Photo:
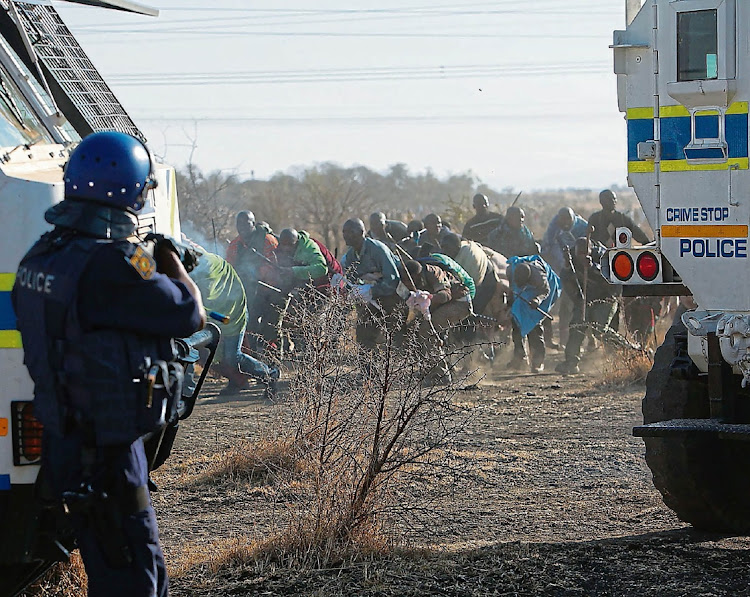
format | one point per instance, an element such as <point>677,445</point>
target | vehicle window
<point>697,43</point>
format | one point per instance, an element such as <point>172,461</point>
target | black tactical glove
<point>188,255</point>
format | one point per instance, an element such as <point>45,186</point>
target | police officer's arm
<point>121,289</point>
<point>169,264</point>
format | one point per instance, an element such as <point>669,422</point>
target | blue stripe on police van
<point>639,130</point>
<point>4,482</point>
<point>675,134</point>
<point>7,315</point>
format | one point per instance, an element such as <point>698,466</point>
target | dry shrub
<point>66,579</point>
<point>625,367</point>
<point>372,430</point>
<point>364,444</point>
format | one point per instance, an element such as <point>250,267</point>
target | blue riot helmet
<point>106,180</point>
<point>111,168</point>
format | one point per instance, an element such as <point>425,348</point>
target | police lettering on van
<point>697,214</point>
<point>735,248</point>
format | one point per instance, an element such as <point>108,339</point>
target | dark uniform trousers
<point>118,471</point>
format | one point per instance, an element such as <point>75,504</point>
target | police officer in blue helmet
<point>97,314</point>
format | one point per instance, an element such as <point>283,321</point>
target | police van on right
<point>683,82</point>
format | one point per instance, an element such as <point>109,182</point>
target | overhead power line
<point>356,74</point>
<point>453,6</point>
<point>379,119</point>
<point>307,17</point>
<point>393,34</point>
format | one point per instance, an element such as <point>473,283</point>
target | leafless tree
<point>374,439</point>
<point>330,195</point>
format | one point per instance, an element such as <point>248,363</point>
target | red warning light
<point>648,266</point>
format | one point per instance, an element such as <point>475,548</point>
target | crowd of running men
<point>495,275</point>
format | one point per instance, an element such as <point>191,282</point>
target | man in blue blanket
<point>535,288</point>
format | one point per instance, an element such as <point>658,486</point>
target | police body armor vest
<point>108,382</point>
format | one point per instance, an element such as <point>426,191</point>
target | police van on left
<point>51,96</point>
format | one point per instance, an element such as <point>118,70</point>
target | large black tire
<point>17,577</point>
<point>705,480</point>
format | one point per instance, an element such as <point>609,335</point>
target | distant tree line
<point>320,198</point>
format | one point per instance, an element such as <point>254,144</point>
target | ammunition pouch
<point>119,391</point>
<point>163,385</point>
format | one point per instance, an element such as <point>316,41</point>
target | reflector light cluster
<point>636,267</point>
<point>27,434</point>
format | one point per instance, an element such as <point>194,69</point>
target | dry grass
<point>63,580</point>
<point>625,367</point>
<point>199,562</point>
<point>625,566</point>
<point>251,463</point>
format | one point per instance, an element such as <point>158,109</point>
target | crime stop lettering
<point>731,248</point>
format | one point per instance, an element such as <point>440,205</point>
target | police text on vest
<point>37,281</point>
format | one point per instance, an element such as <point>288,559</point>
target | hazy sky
<point>519,92</point>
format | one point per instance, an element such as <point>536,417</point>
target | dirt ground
<point>572,510</point>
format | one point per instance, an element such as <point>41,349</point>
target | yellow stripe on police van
<point>6,282</point>
<point>738,108</point>
<point>640,113</point>
<point>684,166</point>
<point>682,111</point>
<point>640,167</point>
<point>673,111</point>
<point>704,231</point>
<point>10,339</point>
<point>645,167</point>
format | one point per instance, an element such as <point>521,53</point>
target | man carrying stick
<point>594,302</point>
<point>535,288</point>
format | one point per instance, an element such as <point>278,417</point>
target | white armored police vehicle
<point>51,96</point>
<point>683,81</point>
